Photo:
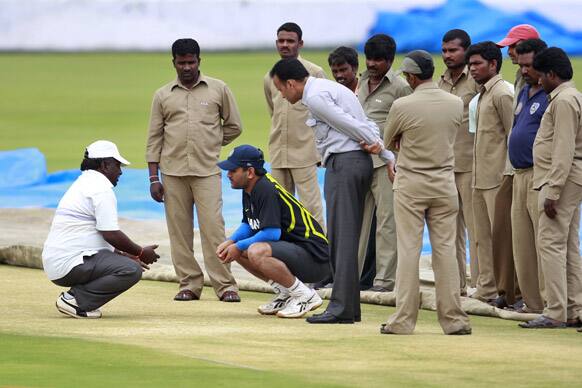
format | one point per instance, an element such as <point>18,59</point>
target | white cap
<point>105,149</point>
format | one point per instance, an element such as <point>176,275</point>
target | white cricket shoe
<point>278,303</point>
<point>299,306</point>
<point>70,308</point>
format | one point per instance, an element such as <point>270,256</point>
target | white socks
<point>279,289</point>
<point>300,289</point>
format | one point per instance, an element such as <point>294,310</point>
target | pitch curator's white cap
<point>105,149</point>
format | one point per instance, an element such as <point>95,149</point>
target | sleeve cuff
<point>553,193</point>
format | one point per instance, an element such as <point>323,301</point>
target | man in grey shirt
<point>344,136</point>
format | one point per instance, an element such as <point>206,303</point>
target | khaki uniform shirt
<point>189,126</point>
<point>291,143</point>
<point>378,103</point>
<point>426,122</point>
<point>494,119</point>
<point>517,86</point>
<point>465,88</point>
<point>557,149</point>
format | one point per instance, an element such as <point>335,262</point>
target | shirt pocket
<point>209,113</point>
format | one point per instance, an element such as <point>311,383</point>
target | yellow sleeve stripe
<point>308,222</point>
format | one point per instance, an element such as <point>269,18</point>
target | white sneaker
<point>278,303</point>
<point>299,306</point>
<point>70,308</point>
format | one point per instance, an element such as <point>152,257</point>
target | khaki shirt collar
<point>426,86</point>
<point>389,76</point>
<point>489,84</point>
<point>178,84</point>
<point>558,90</point>
<point>448,78</point>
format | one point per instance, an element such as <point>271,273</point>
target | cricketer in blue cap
<point>278,240</point>
<point>244,156</point>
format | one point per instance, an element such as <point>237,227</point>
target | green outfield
<point>145,339</point>
<point>59,103</point>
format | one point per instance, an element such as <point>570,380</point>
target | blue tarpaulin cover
<point>27,185</point>
<point>423,28</point>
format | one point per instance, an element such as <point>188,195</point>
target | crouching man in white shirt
<point>85,250</point>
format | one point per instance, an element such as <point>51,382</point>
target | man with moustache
<point>191,118</point>
<point>557,155</point>
<point>379,88</point>
<point>494,118</point>
<point>343,62</point>
<point>294,159</point>
<point>531,105</point>
<point>457,80</point>
<point>503,260</point>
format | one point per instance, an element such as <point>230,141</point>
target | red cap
<point>517,33</point>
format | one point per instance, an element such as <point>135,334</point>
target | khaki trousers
<point>465,226</point>
<point>381,198</point>
<point>503,265</point>
<point>305,181</point>
<point>524,221</point>
<point>181,194</point>
<point>559,250</point>
<point>440,214</point>
<point>483,209</point>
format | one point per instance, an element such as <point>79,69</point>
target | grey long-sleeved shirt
<point>338,119</point>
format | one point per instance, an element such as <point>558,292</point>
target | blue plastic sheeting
<point>422,28</point>
<point>132,191</point>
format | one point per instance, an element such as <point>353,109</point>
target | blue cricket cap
<point>243,156</point>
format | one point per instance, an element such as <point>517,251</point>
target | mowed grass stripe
<point>347,355</point>
<point>67,362</point>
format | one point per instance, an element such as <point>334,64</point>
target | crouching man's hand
<point>231,254</point>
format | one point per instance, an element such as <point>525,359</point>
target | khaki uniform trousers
<point>181,194</point>
<point>503,265</point>
<point>440,214</point>
<point>559,250</point>
<point>483,209</point>
<point>524,221</point>
<point>465,226</point>
<point>305,181</point>
<point>381,199</point>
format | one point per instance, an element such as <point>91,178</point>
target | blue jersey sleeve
<point>243,231</point>
<point>263,235</point>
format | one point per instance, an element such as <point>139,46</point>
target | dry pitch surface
<point>146,339</point>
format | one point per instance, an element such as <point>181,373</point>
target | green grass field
<point>59,103</point>
<point>145,339</point>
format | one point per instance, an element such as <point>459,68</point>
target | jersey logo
<point>534,108</point>
<point>254,224</point>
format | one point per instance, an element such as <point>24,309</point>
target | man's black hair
<point>458,34</point>
<point>185,47</point>
<point>343,55</point>
<point>488,51</point>
<point>556,60</point>
<point>291,27</point>
<point>93,163</point>
<point>531,46</point>
<point>289,68</point>
<point>380,46</point>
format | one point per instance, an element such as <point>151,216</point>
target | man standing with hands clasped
<point>425,125</point>
<point>191,118</point>
<point>341,131</point>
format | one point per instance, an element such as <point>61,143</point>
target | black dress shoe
<point>327,317</point>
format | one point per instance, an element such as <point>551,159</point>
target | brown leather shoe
<point>186,295</point>
<point>230,296</point>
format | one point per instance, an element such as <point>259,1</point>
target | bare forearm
<point>122,242</point>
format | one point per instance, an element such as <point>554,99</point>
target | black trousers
<point>348,177</point>
<point>100,278</point>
